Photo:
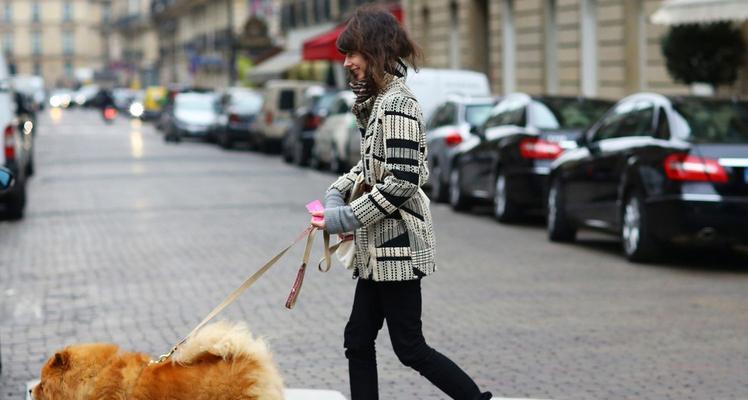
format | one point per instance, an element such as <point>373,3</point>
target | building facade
<point>59,40</point>
<point>602,48</point>
<point>132,43</point>
<point>196,40</point>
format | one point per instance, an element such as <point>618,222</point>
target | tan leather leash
<point>295,290</point>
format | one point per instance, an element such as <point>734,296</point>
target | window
<point>445,115</point>
<point>509,112</point>
<point>509,48</point>
<point>133,7</point>
<point>35,12</point>
<point>454,36</point>
<point>67,11</point>
<point>36,43</point>
<point>68,43</point>
<point>551,47</point>
<point>588,32</point>
<point>663,127</point>
<point>286,100</point>
<point>8,43</point>
<point>634,118</point>
<point>68,70</point>
<point>37,69</point>
<point>8,12</point>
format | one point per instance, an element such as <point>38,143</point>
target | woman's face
<point>356,64</point>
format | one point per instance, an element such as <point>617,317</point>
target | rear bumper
<point>699,219</point>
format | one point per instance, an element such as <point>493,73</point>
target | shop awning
<point>680,12</point>
<point>276,65</point>
<point>323,46</point>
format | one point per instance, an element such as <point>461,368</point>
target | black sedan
<point>509,161</point>
<point>657,170</point>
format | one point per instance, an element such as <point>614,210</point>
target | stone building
<point>196,39</point>
<point>132,43</point>
<point>59,40</point>
<point>604,48</point>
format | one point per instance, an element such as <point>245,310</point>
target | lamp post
<point>232,49</point>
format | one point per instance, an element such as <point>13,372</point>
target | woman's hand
<point>318,223</point>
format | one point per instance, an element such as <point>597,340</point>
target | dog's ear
<point>61,360</point>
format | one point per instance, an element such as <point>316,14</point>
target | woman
<point>387,210</point>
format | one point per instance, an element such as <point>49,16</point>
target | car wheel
<point>560,229</point>
<point>314,162</point>
<point>438,187</point>
<point>504,210</point>
<point>457,198</point>
<point>15,201</point>
<point>225,141</point>
<point>30,167</point>
<point>637,240</point>
<point>287,151</point>
<point>336,165</point>
<point>299,158</point>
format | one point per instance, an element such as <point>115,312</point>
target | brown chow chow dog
<point>222,361</point>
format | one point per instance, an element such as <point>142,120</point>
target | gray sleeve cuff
<point>340,219</point>
<point>333,198</point>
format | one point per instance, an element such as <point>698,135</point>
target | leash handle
<point>296,288</point>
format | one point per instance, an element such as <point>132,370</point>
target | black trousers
<point>400,304</point>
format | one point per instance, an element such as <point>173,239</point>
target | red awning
<point>323,47</point>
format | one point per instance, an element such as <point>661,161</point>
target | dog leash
<point>295,289</point>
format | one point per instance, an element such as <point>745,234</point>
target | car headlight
<point>136,109</point>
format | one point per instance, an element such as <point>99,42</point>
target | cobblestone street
<point>131,240</point>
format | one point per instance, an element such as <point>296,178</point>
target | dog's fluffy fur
<point>222,361</point>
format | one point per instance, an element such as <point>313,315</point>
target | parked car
<point>17,144</point>
<point>510,161</point>
<point>31,86</point>
<point>337,141</point>
<point>297,145</point>
<point>86,95</point>
<point>656,171</point>
<point>239,107</point>
<point>433,87</point>
<point>450,125</point>
<point>281,99</point>
<point>194,115</point>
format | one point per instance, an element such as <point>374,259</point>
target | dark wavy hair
<point>374,32</point>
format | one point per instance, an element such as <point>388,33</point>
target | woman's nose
<point>347,62</point>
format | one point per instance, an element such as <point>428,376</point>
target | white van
<point>276,117</point>
<point>432,87</point>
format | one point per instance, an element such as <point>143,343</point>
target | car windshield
<point>476,114</point>
<point>196,103</point>
<point>247,103</point>
<point>709,121</point>
<point>566,113</point>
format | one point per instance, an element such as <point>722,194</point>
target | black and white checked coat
<point>396,240</point>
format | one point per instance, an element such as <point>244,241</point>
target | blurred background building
<point>603,48</point>
<point>60,40</point>
<point>606,48</point>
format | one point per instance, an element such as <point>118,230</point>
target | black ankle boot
<point>485,396</point>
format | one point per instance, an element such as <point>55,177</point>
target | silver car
<point>337,141</point>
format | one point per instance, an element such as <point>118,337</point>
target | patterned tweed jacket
<point>396,240</point>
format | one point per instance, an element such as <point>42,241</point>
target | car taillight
<point>684,167</point>
<point>539,149</point>
<point>312,122</point>
<point>269,117</point>
<point>453,139</point>
<point>10,142</point>
<point>110,112</point>
<point>234,118</point>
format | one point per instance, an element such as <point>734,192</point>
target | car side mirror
<point>6,180</point>
<point>582,140</point>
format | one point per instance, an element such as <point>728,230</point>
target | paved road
<point>131,240</point>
